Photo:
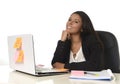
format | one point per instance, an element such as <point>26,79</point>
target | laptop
<point>22,56</point>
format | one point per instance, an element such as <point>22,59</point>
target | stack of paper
<point>92,75</point>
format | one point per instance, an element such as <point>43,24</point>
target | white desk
<point>8,76</point>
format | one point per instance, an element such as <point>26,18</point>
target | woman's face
<point>74,24</point>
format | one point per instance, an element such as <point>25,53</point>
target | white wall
<point>46,19</point>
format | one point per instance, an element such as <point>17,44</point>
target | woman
<point>80,47</point>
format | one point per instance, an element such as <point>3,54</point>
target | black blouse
<point>92,50</point>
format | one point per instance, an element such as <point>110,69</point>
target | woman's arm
<point>61,54</point>
<point>62,50</point>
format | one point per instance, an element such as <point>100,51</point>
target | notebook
<point>22,56</point>
<point>92,75</point>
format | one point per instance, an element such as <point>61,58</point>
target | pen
<point>91,73</point>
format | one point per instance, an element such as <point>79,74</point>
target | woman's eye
<point>76,21</point>
<point>69,20</point>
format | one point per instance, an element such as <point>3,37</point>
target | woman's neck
<point>76,43</point>
<point>75,38</point>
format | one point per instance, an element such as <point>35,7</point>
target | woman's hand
<point>58,65</point>
<point>65,35</point>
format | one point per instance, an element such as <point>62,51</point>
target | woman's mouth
<point>69,27</point>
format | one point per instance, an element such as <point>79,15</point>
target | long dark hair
<point>87,26</point>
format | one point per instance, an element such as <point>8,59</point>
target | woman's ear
<point>81,30</point>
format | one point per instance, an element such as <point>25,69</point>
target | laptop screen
<point>21,53</point>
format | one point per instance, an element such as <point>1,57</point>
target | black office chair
<point>112,60</point>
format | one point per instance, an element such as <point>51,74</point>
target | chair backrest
<point>112,59</point>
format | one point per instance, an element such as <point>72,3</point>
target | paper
<point>18,42</point>
<point>77,73</point>
<point>16,55</point>
<point>19,53</point>
<point>62,70</point>
<point>20,57</point>
<point>94,75</point>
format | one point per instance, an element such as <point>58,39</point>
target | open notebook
<point>92,75</point>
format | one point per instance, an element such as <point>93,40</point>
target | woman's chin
<point>74,33</point>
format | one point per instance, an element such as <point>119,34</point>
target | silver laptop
<point>22,57</point>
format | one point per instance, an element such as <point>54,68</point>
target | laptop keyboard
<point>38,69</point>
<point>42,69</point>
<point>49,70</point>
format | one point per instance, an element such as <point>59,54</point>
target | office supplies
<point>92,75</point>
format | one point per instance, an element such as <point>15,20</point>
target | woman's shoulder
<point>90,39</point>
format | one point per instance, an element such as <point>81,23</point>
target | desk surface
<point>8,76</point>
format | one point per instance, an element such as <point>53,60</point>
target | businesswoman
<point>80,48</point>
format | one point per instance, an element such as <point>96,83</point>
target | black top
<point>92,50</point>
